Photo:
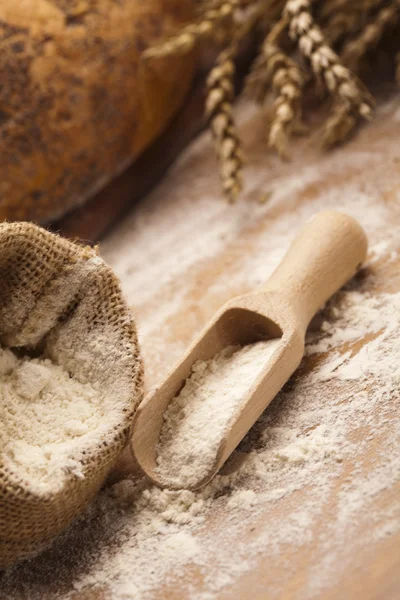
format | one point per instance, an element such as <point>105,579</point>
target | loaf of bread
<point>76,103</point>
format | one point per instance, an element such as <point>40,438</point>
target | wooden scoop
<point>325,255</point>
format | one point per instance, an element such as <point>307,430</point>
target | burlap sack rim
<point>118,436</point>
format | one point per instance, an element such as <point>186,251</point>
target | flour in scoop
<point>197,418</point>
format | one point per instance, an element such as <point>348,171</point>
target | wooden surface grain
<point>182,252</point>
<point>176,298</point>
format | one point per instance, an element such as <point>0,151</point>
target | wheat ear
<point>259,79</point>
<point>350,95</point>
<point>339,125</point>
<point>287,83</point>
<point>276,70</point>
<point>370,37</point>
<point>220,93</point>
<point>189,36</point>
<point>340,20</point>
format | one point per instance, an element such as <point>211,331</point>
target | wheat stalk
<point>219,108</point>
<point>190,35</point>
<point>347,91</point>
<point>354,26</point>
<point>220,93</point>
<point>339,125</point>
<point>259,79</point>
<point>370,37</point>
<point>287,83</point>
<point>341,25</point>
<point>341,19</point>
<point>274,69</point>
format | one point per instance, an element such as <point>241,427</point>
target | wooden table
<point>189,274</point>
<point>182,252</point>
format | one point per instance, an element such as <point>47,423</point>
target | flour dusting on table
<point>301,482</point>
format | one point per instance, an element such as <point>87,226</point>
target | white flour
<point>272,494</point>
<point>196,419</point>
<point>314,487</point>
<point>45,414</point>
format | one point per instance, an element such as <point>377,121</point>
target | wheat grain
<point>370,37</point>
<point>220,92</point>
<point>219,110</point>
<point>345,88</point>
<point>287,83</point>
<point>189,36</point>
<point>342,19</point>
<point>284,23</point>
<point>259,79</point>
<point>274,69</point>
<point>339,125</point>
<point>214,17</point>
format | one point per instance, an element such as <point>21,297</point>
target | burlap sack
<point>76,108</point>
<point>63,299</point>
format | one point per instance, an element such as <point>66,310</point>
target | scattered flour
<point>45,414</point>
<point>274,492</point>
<point>318,475</point>
<point>243,499</point>
<point>196,419</point>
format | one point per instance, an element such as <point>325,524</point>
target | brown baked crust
<point>75,105</point>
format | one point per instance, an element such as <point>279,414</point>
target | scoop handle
<point>321,259</point>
